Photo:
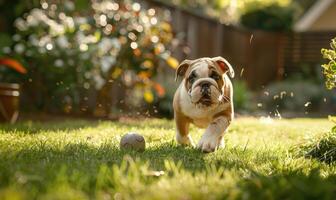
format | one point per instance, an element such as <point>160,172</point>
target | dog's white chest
<point>201,116</point>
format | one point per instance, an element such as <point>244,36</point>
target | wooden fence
<point>258,57</point>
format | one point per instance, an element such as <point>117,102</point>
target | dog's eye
<point>215,76</point>
<point>192,78</point>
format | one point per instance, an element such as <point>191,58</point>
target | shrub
<point>329,69</point>
<point>71,53</point>
<point>296,96</point>
<point>242,96</point>
<point>323,147</point>
<point>271,18</point>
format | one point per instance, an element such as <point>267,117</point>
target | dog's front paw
<point>185,140</point>
<point>210,142</point>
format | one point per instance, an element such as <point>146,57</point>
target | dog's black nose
<point>205,85</point>
<point>205,88</point>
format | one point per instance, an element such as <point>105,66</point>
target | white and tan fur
<point>210,108</point>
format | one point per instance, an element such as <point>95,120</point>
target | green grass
<point>322,147</point>
<point>77,159</point>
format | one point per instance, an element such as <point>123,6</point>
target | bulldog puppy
<point>204,98</point>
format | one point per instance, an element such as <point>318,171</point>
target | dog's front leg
<point>213,136</point>
<point>182,130</point>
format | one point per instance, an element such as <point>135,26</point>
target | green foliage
<point>329,69</point>
<point>270,18</point>
<point>242,95</point>
<point>74,50</point>
<point>227,11</point>
<point>73,159</point>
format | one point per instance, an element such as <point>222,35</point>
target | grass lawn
<point>75,159</point>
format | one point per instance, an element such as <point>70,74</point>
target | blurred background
<point>109,59</point>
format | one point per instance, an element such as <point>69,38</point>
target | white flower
<point>99,81</point>
<point>42,50</point>
<point>136,7</point>
<point>20,24</point>
<point>107,62</point>
<point>55,28</point>
<point>62,42</point>
<point>69,5</point>
<point>69,23</point>
<point>6,50</point>
<point>59,63</point>
<point>107,45</point>
<point>16,37</point>
<point>84,56</point>
<point>19,48</point>
<point>44,41</point>
<point>33,40</point>
<point>83,47</point>
<point>116,43</point>
<point>80,20</point>
<point>153,20</point>
<point>49,46</point>
<point>36,17</point>
<point>83,39</point>
<point>38,14</point>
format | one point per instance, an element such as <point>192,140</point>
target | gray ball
<point>133,141</point>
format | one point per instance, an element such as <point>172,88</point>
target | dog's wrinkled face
<point>203,79</point>
<point>204,84</point>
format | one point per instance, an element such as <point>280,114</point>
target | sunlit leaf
<point>137,52</point>
<point>148,96</point>
<point>166,26</point>
<point>172,62</point>
<point>144,75</point>
<point>148,64</point>
<point>116,73</point>
<point>85,27</point>
<point>97,35</point>
<point>159,89</point>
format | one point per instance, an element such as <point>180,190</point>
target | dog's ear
<point>182,68</point>
<point>224,65</point>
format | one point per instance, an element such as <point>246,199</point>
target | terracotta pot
<point>9,102</point>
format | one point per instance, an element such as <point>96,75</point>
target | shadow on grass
<point>29,127</point>
<point>35,127</point>
<point>140,124</point>
<point>289,185</point>
<point>83,162</point>
<point>83,155</point>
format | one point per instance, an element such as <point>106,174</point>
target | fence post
<point>192,36</point>
<point>219,40</point>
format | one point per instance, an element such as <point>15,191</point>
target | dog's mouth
<point>205,100</point>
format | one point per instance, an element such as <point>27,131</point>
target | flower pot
<point>9,102</point>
